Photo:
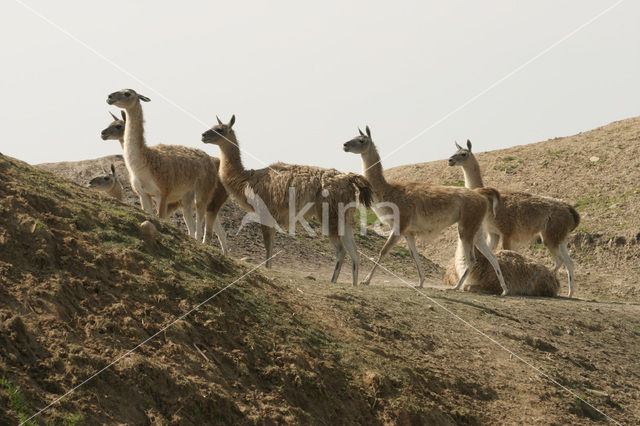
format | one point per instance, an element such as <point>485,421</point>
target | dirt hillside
<point>80,286</point>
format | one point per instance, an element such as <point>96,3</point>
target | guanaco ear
<point>124,115</point>
<point>143,98</point>
<point>113,169</point>
<point>368,132</point>
<point>458,146</point>
<point>114,117</point>
<point>361,133</point>
<point>219,121</point>
<point>469,145</point>
<point>233,120</point>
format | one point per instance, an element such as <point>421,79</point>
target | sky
<point>302,76</point>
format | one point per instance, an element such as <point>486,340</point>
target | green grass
<point>556,153</point>
<point>457,183</point>
<point>400,251</point>
<point>17,401</point>
<point>73,419</point>
<point>371,217</point>
<point>40,225</point>
<point>590,203</point>
<point>504,167</point>
<point>597,203</point>
<point>508,162</point>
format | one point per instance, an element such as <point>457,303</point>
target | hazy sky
<point>301,76</point>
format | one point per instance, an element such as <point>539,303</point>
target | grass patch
<point>73,419</point>
<point>400,251</point>
<point>505,163</point>
<point>111,235</point>
<point>371,216</point>
<point>556,153</point>
<point>457,183</point>
<point>589,203</point>
<point>40,225</point>
<point>504,167</point>
<point>17,401</point>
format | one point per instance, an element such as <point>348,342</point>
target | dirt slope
<point>79,287</point>
<point>596,171</point>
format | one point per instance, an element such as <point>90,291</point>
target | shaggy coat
<point>425,209</point>
<point>315,189</point>
<point>524,276</point>
<point>115,131</point>
<point>167,173</point>
<point>520,217</point>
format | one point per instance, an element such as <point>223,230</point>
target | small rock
<point>594,159</point>
<point>597,392</point>
<point>148,229</point>
<point>310,277</point>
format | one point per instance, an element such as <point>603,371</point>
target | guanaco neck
<point>116,190</point>
<point>121,143</point>
<point>231,167</point>
<point>471,171</point>
<point>134,146</point>
<point>372,169</point>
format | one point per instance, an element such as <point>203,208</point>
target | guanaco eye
<point>119,126</point>
<point>127,94</point>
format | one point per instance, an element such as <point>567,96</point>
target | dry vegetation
<point>80,285</point>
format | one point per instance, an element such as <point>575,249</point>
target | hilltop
<point>595,171</point>
<point>80,287</point>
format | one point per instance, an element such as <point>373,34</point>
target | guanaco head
<point>125,98</point>
<point>360,143</point>
<point>104,182</point>
<point>220,132</point>
<point>461,155</point>
<point>115,130</point>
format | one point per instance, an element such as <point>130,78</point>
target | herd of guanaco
<point>171,177</point>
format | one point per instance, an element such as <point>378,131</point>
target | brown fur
<point>311,184</point>
<point>115,132</point>
<point>169,173</point>
<point>424,209</point>
<point>108,183</point>
<point>520,216</point>
<point>524,276</point>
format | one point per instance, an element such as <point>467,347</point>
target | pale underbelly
<point>143,182</point>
